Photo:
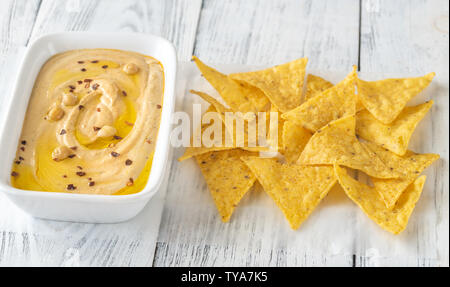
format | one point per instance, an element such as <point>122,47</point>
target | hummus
<point>91,124</point>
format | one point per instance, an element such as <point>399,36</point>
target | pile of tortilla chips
<point>325,131</point>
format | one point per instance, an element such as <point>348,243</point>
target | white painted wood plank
<point>412,37</point>
<point>251,32</point>
<point>30,242</point>
<point>258,33</point>
<point>175,20</point>
<point>16,22</point>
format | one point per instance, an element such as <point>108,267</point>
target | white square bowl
<point>84,207</point>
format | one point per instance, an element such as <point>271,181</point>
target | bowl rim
<point>148,191</point>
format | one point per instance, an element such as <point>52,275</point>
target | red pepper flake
<point>23,142</point>
<point>130,181</point>
<point>115,154</point>
<point>17,162</point>
<point>158,106</point>
<point>124,93</point>
<point>14,173</point>
<point>71,187</point>
<point>62,132</point>
<point>81,173</point>
<point>73,148</point>
<point>72,87</point>
<point>21,158</point>
<point>117,137</point>
<point>71,156</point>
<point>22,149</point>
<point>71,91</point>
<point>148,141</point>
<point>87,80</point>
<point>79,82</point>
<point>91,183</point>
<point>128,162</point>
<point>79,167</point>
<point>94,62</point>
<point>99,110</point>
<point>80,62</point>
<point>83,70</point>
<point>80,107</point>
<point>65,176</point>
<point>96,129</point>
<point>128,123</point>
<point>105,66</point>
<point>89,178</point>
<point>95,86</point>
<point>87,85</point>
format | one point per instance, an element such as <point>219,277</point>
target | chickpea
<point>130,68</point>
<point>56,113</point>
<point>69,99</point>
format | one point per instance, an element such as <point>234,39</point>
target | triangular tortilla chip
<point>369,200</point>
<point>411,164</point>
<point>385,99</point>
<point>337,143</point>
<point>227,177</point>
<point>396,135</point>
<point>295,137</point>
<point>282,84</point>
<point>315,85</point>
<point>235,129</point>
<point>336,102</point>
<point>193,151</point>
<point>239,97</point>
<point>297,190</point>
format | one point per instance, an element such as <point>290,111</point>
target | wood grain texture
<point>175,20</point>
<point>398,37</point>
<point>412,37</point>
<point>245,32</point>
<point>30,242</point>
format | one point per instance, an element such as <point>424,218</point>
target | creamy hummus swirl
<point>102,138</point>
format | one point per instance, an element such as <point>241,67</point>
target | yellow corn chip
<point>315,85</point>
<point>193,151</point>
<point>295,137</point>
<point>297,190</point>
<point>337,143</point>
<point>369,200</point>
<point>396,135</point>
<point>282,84</point>
<point>239,97</point>
<point>385,99</point>
<point>235,129</point>
<point>227,177</point>
<point>336,102</point>
<point>411,164</point>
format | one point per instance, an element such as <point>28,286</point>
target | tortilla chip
<point>369,200</point>
<point>227,177</point>
<point>337,143</point>
<point>315,85</point>
<point>282,84</point>
<point>336,102</point>
<point>297,190</point>
<point>193,151</point>
<point>396,135</point>
<point>385,99</point>
<point>239,97</point>
<point>222,110</point>
<point>295,137</point>
<point>411,164</point>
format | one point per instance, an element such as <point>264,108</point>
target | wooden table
<point>377,35</point>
